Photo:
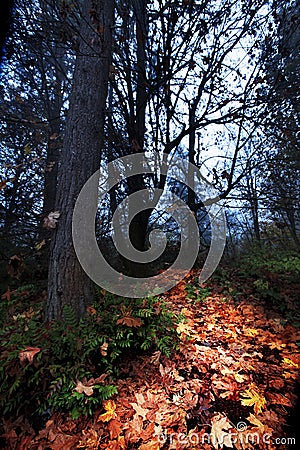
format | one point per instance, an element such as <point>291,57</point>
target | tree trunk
<point>139,224</point>
<point>68,285</point>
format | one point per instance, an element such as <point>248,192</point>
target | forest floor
<point>232,383</point>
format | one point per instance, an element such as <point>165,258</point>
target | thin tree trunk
<point>68,285</point>
<point>139,223</point>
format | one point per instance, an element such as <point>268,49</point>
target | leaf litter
<point>230,384</point>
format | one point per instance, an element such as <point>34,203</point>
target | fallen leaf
<point>278,399</point>
<point>219,434</point>
<point>183,328</point>
<point>28,354</point>
<point>250,332</point>
<point>91,310</point>
<point>289,362</point>
<point>253,398</point>
<point>100,379</point>
<point>114,428</point>
<point>15,266</point>
<point>83,389</point>
<point>289,375</point>
<point>129,321</point>
<point>154,359</point>
<point>140,411</point>
<point>54,136</point>
<point>103,349</point>
<point>27,149</point>
<point>151,445</point>
<point>255,421</point>
<point>110,408</point>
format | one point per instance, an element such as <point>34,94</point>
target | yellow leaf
<point>289,362</point>
<point>183,328</point>
<point>253,398</point>
<point>121,442</point>
<point>110,408</point>
<point>251,332</point>
<point>40,245</point>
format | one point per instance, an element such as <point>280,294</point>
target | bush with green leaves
<point>265,291</point>
<point>275,261</point>
<point>274,275</point>
<point>62,355</point>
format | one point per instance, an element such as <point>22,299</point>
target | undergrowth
<point>43,365</point>
<point>272,275</point>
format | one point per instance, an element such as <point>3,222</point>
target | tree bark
<point>68,285</point>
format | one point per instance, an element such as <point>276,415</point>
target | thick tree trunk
<point>68,285</point>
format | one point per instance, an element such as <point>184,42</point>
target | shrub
<point>277,262</point>
<point>71,366</point>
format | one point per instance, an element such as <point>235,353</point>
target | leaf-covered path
<point>231,384</point>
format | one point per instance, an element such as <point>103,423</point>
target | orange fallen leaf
<point>130,321</point>
<point>115,428</point>
<point>255,421</point>
<point>119,444</point>
<point>91,310</point>
<point>289,375</point>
